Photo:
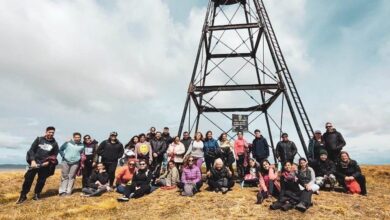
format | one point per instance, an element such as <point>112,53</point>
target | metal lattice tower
<point>239,58</point>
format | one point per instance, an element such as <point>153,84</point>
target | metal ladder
<point>284,70</point>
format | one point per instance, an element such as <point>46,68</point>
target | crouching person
<point>325,171</point>
<point>97,183</point>
<point>350,176</point>
<point>290,193</point>
<point>269,182</point>
<point>191,178</point>
<point>220,177</point>
<point>170,178</point>
<point>140,184</point>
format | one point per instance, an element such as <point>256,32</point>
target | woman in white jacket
<point>176,151</point>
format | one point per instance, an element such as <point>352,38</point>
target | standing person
<point>97,183</point>
<point>269,182</point>
<point>240,146</point>
<point>143,150</point>
<point>90,148</point>
<point>42,158</point>
<point>196,150</point>
<point>131,144</point>
<point>159,148</point>
<point>227,152</point>
<point>211,150</point>
<point>334,142</point>
<point>110,151</point>
<point>286,149</point>
<point>316,144</point>
<point>348,171</point>
<point>186,140</point>
<point>140,184</point>
<point>166,136</point>
<point>260,148</point>
<point>151,135</point>
<point>220,177</point>
<point>71,155</point>
<point>176,151</point>
<point>124,176</point>
<point>325,171</point>
<point>191,178</point>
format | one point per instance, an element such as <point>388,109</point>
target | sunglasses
<point>131,164</point>
<point>190,160</point>
<point>329,126</point>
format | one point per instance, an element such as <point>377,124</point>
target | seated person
<point>306,176</point>
<point>191,178</point>
<point>97,182</point>
<point>290,193</point>
<point>140,184</point>
<point>220,177</point>
<point>124,176</point>
<point>251,177</point>
<point>325,171</point>
<point>170,178</point>
<point>269,182</point>
<point>348,171</point>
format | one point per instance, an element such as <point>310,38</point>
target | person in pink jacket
<point>176,151</point>
<point>240,149</point>
<point>269,181</point>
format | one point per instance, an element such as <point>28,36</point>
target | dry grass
<point>206,205</point>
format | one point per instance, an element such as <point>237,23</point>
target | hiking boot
<point>260,198</point>
<point>123,199</point>
<point>36,197</point>
<point>301,207</point>
<point>276,205</point>
<point>286,207</point>
<point>21,199</point>
<point>224,190</point>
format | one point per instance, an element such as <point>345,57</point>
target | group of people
<point>157,160</point>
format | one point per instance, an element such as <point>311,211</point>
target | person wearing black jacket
<point>37,157</point>
<point>316,144</point>
<point>97,182</point>
<point>285,149</point>
<point>334,142</point>
<point>151,135</point>
<point>260,150</point>
<point>159,147</point>
<point>110,151</point>
<point>220,177</point>
<point>348,170</point>
<point>166,136</point>
<point>325,171</point>
<point>90,148</point>
<point>140,184</point>
<point>186,140</point>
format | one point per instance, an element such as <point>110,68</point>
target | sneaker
<point>242,184</point>
<point>216,190</point>
<point>276,205</point>
<point>301,207</point>
<point>36,197</point>
<point>62,194</point>
<point>21,199</point>
<point>224,190</point>
<point>123,199</point>
<point>286,207</point>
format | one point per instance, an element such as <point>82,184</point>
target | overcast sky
<point>95,66</point>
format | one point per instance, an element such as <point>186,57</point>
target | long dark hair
<point>207,134</point>
<point>131,143</point>
<point>262,170</point>
<point>220,136</point>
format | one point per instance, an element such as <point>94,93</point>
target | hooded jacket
<point>260,147</point>
<point>286,150</point>
<point>110,152</point>
<point>41,149</point>
<point>334,141</point>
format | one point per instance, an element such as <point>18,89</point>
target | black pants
<point>29,177</point>
<point>110,168</point>
<point>260,159</point>
<point>143,190</point>
<point>294,198</point>
<point>209,162</point>
<point>217,185</point>
<point>240,166</point>
<point>333,155</point>
<point>87,171</point>
<point>361,179</point>
<point>198,185</point>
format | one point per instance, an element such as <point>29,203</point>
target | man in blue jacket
<point>260,149</point>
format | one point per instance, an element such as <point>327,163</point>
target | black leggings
<point>111,167</point>
<point>29,177</point>
<point>217,185</point>
<point>138,193</point>
<point>240,166</point>
<point>87,171</point>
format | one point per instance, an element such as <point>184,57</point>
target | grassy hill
<point>238,203</point>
